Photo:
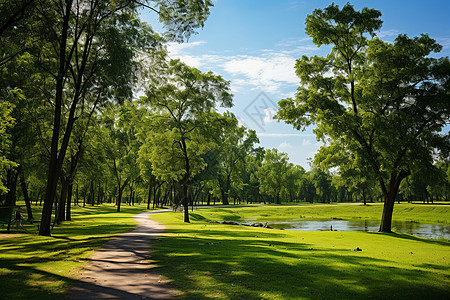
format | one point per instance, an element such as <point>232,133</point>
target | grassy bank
<point>35,267</point>
<point>433,214</point>
<point>213,261</point>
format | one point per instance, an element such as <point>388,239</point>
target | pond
<point>429,231</point>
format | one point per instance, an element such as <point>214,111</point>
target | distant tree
<point>272,174</point>
<point>384,103</point>
<point>123,147</point>
<point>294,181</point>
<point>322,184</point>
<point>237,144</point>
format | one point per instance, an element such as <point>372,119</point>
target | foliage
<point>380,107</point>
<point>6,121</point>
<point>273,173</point>
<point>185,124</point>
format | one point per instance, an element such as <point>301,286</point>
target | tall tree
<point>186,124</point>
<point>384,103</point>
<point>82,33</point>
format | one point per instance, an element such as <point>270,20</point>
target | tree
<point>123,147</point>
<point>83,34</point>
<point>6,121</point>
<point>322,184</point>
<point>237,144</point>
<point>383,103</point>
<point>272,174</point>
<point>185,125</point>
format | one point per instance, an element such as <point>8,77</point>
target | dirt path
<point>122,269</point>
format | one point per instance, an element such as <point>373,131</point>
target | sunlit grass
<point>435,214</point>
<point>36,267</point>
<point>209,261</point>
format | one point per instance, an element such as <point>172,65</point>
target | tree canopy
<point>382,105</point>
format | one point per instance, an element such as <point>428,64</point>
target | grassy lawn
<point>35,267</point>
<point>434,214</point>
<point>214,261</point>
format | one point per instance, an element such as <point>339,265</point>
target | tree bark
<point>149,195</point>
<point>69,201</point>
<point>26,197</point>
<point>186,201</point>
<point>55,159</point>
<point>119,199</point>
<point>389,200</point>
<point>11,184</point>
<point>62,201</point>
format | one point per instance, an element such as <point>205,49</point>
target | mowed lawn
<point>214,261</point>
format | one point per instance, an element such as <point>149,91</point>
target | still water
<point>429,231</point>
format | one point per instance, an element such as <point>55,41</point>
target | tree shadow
<point>252,265</point>
<point>413,238</point>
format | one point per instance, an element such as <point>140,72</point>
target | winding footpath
<point>122,269</point>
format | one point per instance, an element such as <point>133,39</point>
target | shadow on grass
<point>25,259</point>
<point>256,265</point>
<point>414,238</point>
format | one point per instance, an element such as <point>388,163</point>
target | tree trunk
<point>92,194</point>
<point>119,200</point>
<point>149,195</point>
<point>389,200</point>
<point>27,199</point>
<point>69,201</point>
<point>55,159</point>
<point>11,184</point>
<point>186,201</point>
<point>62,201</point>
<point>99,194</point>
<point>388,209</point>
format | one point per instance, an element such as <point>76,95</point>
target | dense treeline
<point>73,130</point>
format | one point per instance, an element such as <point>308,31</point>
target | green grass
<point>213,261</point>
<point>209,261</point>
<point>433,214</point>
<point>36,267</point>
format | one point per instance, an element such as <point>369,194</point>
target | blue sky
<point>254,44</point>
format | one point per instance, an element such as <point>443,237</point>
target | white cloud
<point>444,41</point>
<point>193,61</point>
<point>388,33</point>
<point>306,142</point>
<point>266,69</point>
<point>175,49</point>
<point>270,70</point>
<point>284,134</point>
<point>270,112</point>
<point>285,147</point>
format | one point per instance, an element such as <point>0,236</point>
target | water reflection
<point>430,231</point>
